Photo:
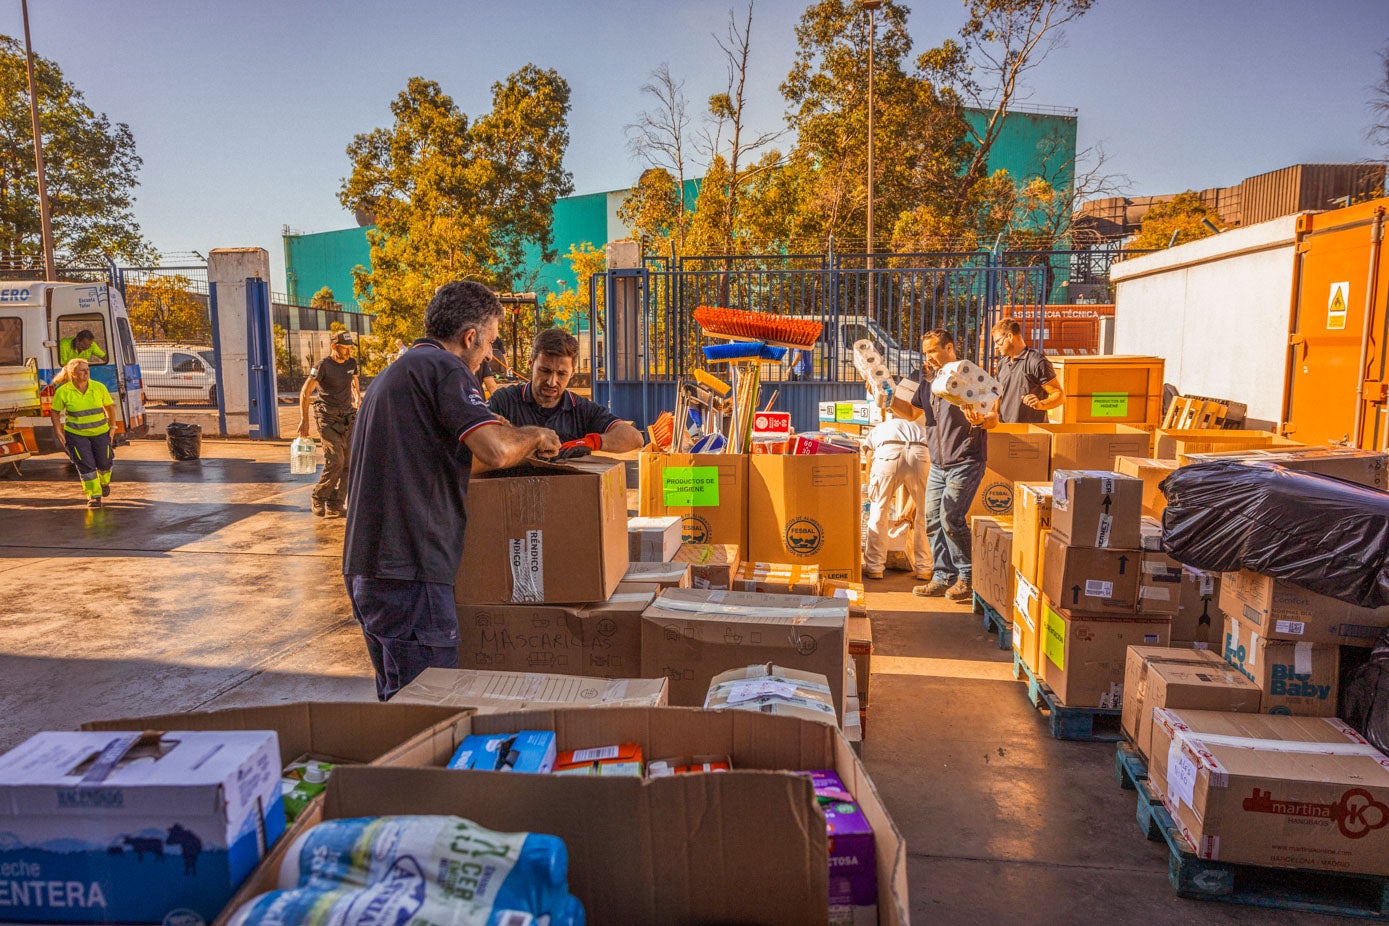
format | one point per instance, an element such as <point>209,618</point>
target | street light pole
<point>872,7</point>
<point>45,223</point>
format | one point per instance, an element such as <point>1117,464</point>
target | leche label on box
<point>692,486</point>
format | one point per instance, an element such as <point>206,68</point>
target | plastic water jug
<point>520,871</point>
<point>301,457</point>
<point>400,901</point>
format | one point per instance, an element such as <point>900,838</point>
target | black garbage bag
<point>1365,696</point>
<point>1325,534</point>
<point>185,440</point>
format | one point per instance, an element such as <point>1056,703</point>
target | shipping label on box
<point>807,510</point>
<point>104,827</point>
<point>1085,654</point>
<point>1096,509</point>
<point>1027,616</point>
<point>1274,791</point>
<point>542,533</point>
<point>688,636</point>
<point>1160,584</point>
<point>1280,610</point>
<point>707,491</point>
<point>1015,454</point>
<point>498,692</point>
<point>711,564</point>
<point>1090,579</point>
<point>1295,678</point>
<point>1031,519</point>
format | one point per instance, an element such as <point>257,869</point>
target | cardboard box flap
<point>525,690</point>
<point>350,731</point>
<point>749,605</point>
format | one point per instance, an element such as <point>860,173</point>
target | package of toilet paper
<point>967,385</point>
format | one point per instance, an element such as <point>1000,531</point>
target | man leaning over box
<point>421,425</point>
<point>899,462</point>
<point>958,448</point>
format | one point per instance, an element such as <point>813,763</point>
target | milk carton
<point>967,385</point>
<point>134,828</point>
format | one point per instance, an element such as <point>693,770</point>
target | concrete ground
<point>209,584</point>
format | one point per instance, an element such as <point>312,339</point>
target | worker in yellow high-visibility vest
<point>85,433</point>
<point>81,346</point>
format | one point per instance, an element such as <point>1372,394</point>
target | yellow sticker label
<point>1054,645</point>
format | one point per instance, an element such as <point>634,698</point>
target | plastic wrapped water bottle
<point>402,902</point>
<point>301,457</point>
<point>459,861</point>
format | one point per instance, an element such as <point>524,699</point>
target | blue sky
<point>242,109</point>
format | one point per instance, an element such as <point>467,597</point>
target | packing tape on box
<point>628,598</point>
<point>525,506</point>
<point>1302,658</point>
<point>1165,572</point>
<point>772,613</point>
<point>1150,593</point>
<point>1201,743</point>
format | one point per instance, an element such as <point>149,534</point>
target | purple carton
<point>853,865</point>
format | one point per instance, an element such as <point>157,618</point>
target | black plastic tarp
<point>1365,696</point>
<point>1325,534</point>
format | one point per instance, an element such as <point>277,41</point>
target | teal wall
<point>325,259</point>
<point>1027,141</point>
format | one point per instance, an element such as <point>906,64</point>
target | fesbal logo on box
<point>804,536</point>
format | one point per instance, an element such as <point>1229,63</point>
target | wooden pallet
<point>1191,413</point>
<point>1091,724</point>
<point>1364,896</point>
<point>994,622</point>
<point>1129,767</point>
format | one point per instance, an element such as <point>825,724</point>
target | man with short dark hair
<point>958,448</point>
<point>546,400</point>
<point>339,394</point>
<point>422,424</point>
<point>81,345</point>
<point>1029,382</point>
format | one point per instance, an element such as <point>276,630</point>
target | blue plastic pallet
<point>1129,766</point>
<point>995,622</point>
<point>1093,724</point>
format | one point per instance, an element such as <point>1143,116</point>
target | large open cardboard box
<point>1016,453</point>
<point>545,533</point>
<point>708,491</point>
<point>1093,446</point>
<point>746,846</point>
<point>806,510</point>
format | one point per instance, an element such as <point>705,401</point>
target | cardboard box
<point>496,692</point>
<point>1151,472</point>
<point>707,491</point>
<point>1031,520</point>
<point>1171,443</point>
<point>851,592</point>
<point>711,564</point>
<point>688,636</point>
<point>1295,678</point>
<point>861,655</point>
<point>602,639</point>
<point>1159,676</point>
<point>1089,579</point>
<point>772,689</point>
<point>1364,467</point>
<point>1253,789</point>
<point>756,853</point>
<point>1027,622</point>
<point>777,578</point>
<point>992,558</point>
<point>158,827</point>
<point>1199,618</point>
<point>1280,610</point>
<point>1109,388</point>
<point>1096,509</point>
<point>1093,446</point>
<point>653,540</point>
<point>545,533</point>
<point>1015,454</point>
<point>1085,654</point>
<point>659,575</point>
<point>807,510</point>
<point>1159,585</point>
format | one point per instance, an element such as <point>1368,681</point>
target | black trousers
<point>335,427</point>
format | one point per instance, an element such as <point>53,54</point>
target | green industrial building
<point>1034,142</point>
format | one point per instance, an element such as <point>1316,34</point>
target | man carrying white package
<point>958,448</point>
<point>899,462</point>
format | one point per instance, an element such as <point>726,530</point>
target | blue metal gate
<point>645,339</point>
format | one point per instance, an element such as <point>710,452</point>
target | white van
<point>178,372</point>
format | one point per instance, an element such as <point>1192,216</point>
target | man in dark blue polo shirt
<point>958,448</point>
<point>546,400</point>
<point>422,423</point>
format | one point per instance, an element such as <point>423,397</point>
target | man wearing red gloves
<point>546,401</point>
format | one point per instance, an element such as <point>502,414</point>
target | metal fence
<point>646,339</point>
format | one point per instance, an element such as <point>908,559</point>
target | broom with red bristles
<point>758,326</point>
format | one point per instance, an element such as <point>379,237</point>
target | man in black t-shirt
<point>1030,386</point>
<point>546,400</point>
<point>423,422</point>
<point>958,448</point>
<point>339,394</point>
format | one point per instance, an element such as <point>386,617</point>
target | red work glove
<point>591,441</point>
